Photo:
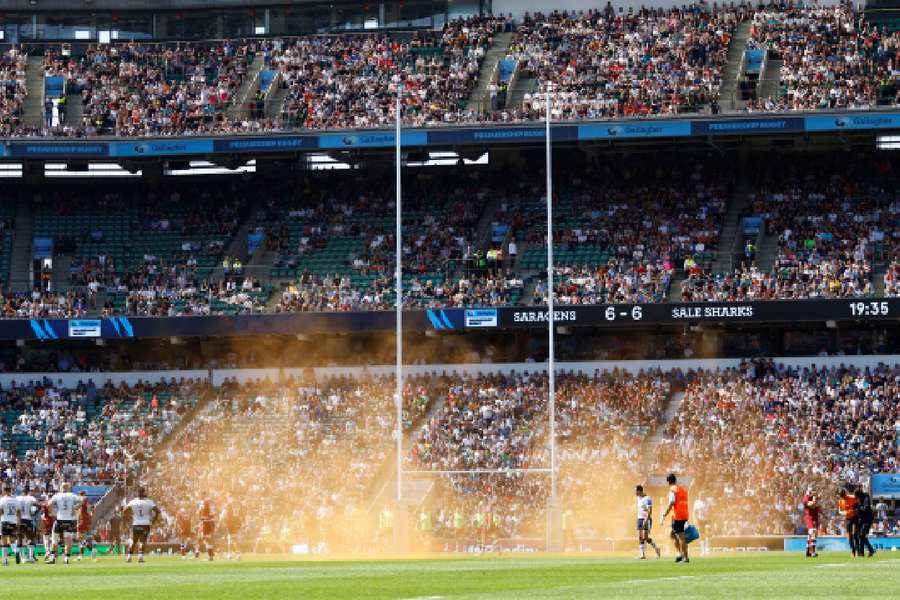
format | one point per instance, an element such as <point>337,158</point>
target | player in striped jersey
<point>644,522</point>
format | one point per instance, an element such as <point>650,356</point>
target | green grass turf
<point>773,575</point>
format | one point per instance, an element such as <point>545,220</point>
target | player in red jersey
<point>85,512</point>
<point>206,530</point>
<point>47,520</point>
<point>811,521</point>
<point>184,530</point>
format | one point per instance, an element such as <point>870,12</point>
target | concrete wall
<point>72,379</point>
<point>632,366</point>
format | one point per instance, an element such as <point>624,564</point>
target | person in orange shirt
<point>847,509</point>
<point>678,505</point>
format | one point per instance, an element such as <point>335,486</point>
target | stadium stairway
<point>524,85</point>
<point>414,491</point>
<point>674,294</point>
<point>652,442</point>
<point>34,91</point>
<point>250,84</point>
<point>480,97</point>
<point>74,110</point>
<point>728,93</point>
<point>275,102</point>
<point>237,248</point>
<point>878,281</point>
<point>765,251</point>
<point>769,87</point>
<point>20,263</point>
<point>486,224</point>
<point>60,278</point>
<point>732,236</point>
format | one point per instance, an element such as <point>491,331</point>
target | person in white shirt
<point>64,506</point>
<point>645,522</point>
<point>144,513</point>
<point>701,515</point>
<point>28,507</point>
<point>10,517</point>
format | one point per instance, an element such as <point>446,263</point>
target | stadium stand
<point>606,65</point>
<point>832,58</point>
<point>12,82</point>
<point>138,89</point>
<point>86,435</point>
<point>833,223</point>
<point>349,81</point>
<point>772,431</point>
<point>500,423</point>
<point>598,64</point>
<point>328,442</point>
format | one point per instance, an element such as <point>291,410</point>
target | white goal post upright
<point>553,512</point>
<point>551,358</point>
<point>398,400</point>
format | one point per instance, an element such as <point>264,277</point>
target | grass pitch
<point>773,575</point>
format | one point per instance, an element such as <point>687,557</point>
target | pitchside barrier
<point>835,543</point>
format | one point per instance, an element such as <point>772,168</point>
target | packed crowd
<point>756,437</point>
<point>87,434</point>
<point>832,222</point>
<point>498,425</point>
<point>351,81</point>
<point>310,454</point>
<point>43,305</point>
<point>12,89</point>
<point>317,455</point>
<point>601,64</point>
<point>140,89</point>
<point>598,64</point>
<point>832,58</point>
<point>623,241</point>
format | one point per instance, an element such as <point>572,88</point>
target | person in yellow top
<point>678,505</point>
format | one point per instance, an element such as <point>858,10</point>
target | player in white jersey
<point>28,532</point>
<point>144,513</point>
<point>644,522</point>
<point>64,505</point>
<point>10,518</point>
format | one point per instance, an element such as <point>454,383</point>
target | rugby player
<point>10,520</point>
<point>85,541</point>
<point>206,530</point>
<point>811,521</point>
<point>144,513</point>
<point>232,519</point>
<point>48,523</point>
<point>64,505</point>
<point>645,522</point>
<point>184,530</point>
<point>29,509</point>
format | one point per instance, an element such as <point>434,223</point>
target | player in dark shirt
<point>865,516</point>
<point>115,531</point>
<point>206,530</point>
